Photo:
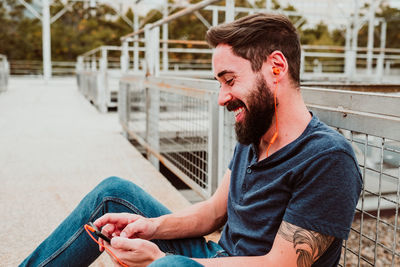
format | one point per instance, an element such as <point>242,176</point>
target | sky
<point>332,12</point>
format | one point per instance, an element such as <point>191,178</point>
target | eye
<point>230,82</point>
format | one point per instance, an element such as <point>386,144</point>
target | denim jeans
<point>70,245</point>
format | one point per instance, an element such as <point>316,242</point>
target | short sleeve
<point>325,195</point>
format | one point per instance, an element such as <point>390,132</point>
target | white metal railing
<point>4,73</point>
<point>176,120</point>
<point>98,72</point>
<point>331,63</point>
<point>35,68</point>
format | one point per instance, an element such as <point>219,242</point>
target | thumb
<point>124,243</point>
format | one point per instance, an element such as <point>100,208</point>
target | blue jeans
<point>70,245</point>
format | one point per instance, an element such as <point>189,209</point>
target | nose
<point>224,96</point>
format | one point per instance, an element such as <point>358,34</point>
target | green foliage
<point>392,17</point>
<point>80,29</point>
<point>74,33</point>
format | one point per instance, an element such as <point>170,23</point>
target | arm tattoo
<point>309,245</point>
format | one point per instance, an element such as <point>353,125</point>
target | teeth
<point>238,111</point>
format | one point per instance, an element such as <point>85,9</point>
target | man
<point>287,199</point>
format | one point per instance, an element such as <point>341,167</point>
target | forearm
<point>198,220</point>
<point>253,261</point>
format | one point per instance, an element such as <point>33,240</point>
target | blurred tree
<point>392,17</point>
<point>80,29</point>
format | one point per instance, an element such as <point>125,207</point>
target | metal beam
<point>31,9</point>
<point>46,37</point>
<point>60,13</point>
<point>178,14</point>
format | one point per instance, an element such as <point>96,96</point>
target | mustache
<point>234,104</point>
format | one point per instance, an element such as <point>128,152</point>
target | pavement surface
<point>54,148</point>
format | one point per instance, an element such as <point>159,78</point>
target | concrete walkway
<point>54,148</point>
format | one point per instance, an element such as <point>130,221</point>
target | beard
<point>258,114</point>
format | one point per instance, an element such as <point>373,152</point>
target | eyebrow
<point>222,73</point>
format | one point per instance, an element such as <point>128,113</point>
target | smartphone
<point>98,233</point>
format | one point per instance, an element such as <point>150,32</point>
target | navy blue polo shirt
<point>313,182</point>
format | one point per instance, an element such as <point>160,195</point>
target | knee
<point>175,260</point>
<point>114,186</point>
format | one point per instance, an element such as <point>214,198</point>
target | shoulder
<point>320,139</point>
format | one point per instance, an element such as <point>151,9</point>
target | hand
<point>134,252</point>
<point>126,225</point>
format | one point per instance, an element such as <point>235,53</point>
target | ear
<point>277,60</point>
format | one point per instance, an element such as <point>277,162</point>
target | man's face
<point>244,92</point>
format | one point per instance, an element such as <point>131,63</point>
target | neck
<point>293,118</point>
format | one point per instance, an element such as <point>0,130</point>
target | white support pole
<point>354,38</point>
<point>149,56</point>
<point>215,17</point>
<point>103,60</point>
<point>80,64</point>
<point>268,5</point>
<point>124,57</point>
<point>370,46</point>
<point>155,35</point>
<point>229,11</point>
<point>94,64</point>
<point>46,39</point>
<point>136,43</point>
<point>165,37</point>
<point>348,53</point>
<point>382,52</point>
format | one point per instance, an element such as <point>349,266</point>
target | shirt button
<point>249,170</point>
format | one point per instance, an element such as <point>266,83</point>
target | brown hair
<point>256,36</point>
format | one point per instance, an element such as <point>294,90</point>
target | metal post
<point>165,37</point>
<point>94,63</point>
<point>229,11</point>
<point>348,53</point>
<point>213,157</point>
<point>215,17</point>
<point>354,43</point>
<point>371,26</point>
<point>46,38</point>
<point>103,60</point>
<point>152,94</point>
<point>155,36</point>
<point>268,5</point>
<point>136,43</point>
<point>381,57</point>
<point>124,57</point>
<point>149,53</point>
<point>80,64</point>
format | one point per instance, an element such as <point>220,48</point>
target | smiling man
<point>287,199</point>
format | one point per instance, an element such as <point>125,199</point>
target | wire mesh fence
<point>175,120</point>
<point>176,123</point>
<point>371,123</point>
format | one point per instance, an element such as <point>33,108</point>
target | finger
<point>108,229</point>
<point>126,243</point>
<point>101,249</point>
<point>116,218</point>
<point>134,229</point>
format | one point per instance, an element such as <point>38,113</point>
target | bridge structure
<point>169,111</point>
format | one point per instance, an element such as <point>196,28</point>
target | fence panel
<point>371,122</point>
<point>184,142</point>
<point>177,122</point>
